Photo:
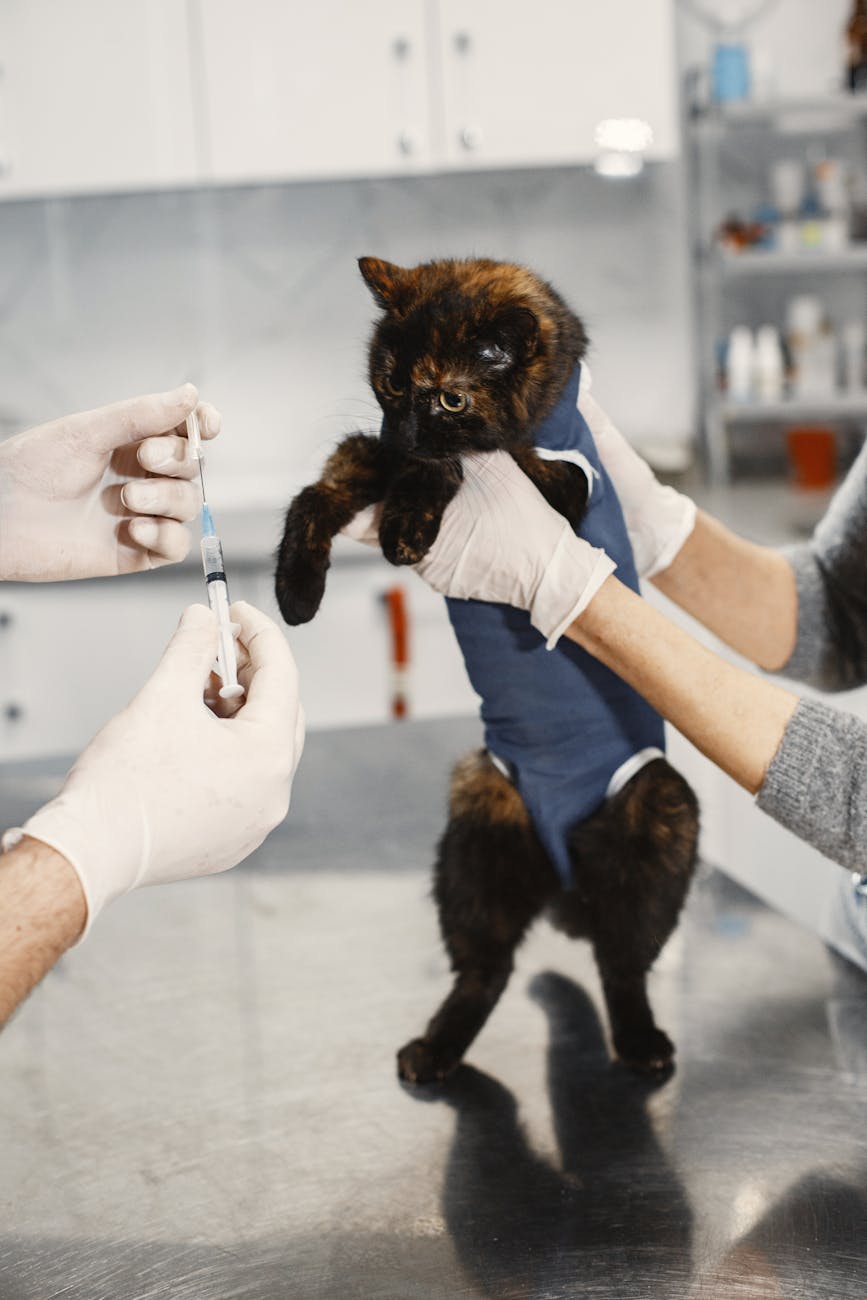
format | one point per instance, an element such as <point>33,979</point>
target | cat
<point>572,808</point>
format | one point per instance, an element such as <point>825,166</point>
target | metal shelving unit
<point>721,140</point>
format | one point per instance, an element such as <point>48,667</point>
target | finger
<point>168,455</point>
<point>189,656</point>
<point>210,420</point>
<point>164,541</point>
<point>110,427</point>
<point>165,497</point>
<point>272,688</point>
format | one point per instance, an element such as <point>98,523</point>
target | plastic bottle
<point>741,364</point>
<point>770,366</point>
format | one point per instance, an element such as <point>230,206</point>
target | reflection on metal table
<point>201,1101</point>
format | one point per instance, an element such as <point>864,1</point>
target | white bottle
<point>741,364</point>
<point>770,365</point>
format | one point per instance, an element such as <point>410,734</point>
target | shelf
<point>768,262</point>
<point>802,114</point>
<point>839,406</point>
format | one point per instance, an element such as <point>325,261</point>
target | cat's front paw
<point>417,1062</point>
<point>648,1052</point>
<point>299,585</point>
<point>406,537</point>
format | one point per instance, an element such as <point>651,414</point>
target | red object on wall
<point>398,622</point>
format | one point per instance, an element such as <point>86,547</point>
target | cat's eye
<point>392,388</point>
<point>453,402</point>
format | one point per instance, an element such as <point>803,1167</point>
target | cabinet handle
<point>401,49</point>
<point>463,42</point>
<point>6,619</point>
<point>13,712</point>
<point>470,138</point>
<point>406,143</point>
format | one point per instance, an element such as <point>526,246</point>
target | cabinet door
<point>527,85</point>
<point>314,89</point>
<point>94,95</point>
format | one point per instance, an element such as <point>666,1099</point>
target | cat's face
<point>469,355</point>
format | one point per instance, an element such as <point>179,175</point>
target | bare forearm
<point>744,593</point>
<point>736,719</point>
<point>42,913</point>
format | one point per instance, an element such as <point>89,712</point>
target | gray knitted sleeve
<point>816,784</point>
<point>830,570</point>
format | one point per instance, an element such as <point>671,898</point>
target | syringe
<point>215,579</point>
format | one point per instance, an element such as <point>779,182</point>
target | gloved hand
<point>100,493</point>
<point>166,790</point>
<point>500,541</point>
<point>658,519</point>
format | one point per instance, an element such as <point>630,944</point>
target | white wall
<point>255,295</point>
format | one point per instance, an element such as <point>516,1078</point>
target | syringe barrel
<point>212,560</point>
<point>218,599</point>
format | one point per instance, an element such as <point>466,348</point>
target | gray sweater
<point>816,784</point>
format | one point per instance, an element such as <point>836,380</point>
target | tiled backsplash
<point>254,294</point>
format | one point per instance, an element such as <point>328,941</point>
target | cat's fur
<point>472,356</point>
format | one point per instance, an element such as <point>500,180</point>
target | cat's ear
<point>513,337</point>
<point>388,283</point>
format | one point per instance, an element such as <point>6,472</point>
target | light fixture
<point>622,143</point>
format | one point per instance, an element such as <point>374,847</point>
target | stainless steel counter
<point>201,1101</point>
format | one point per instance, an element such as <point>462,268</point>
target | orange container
<point>812,456</point>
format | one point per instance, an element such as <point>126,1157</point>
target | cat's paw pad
<point>649,1052</point>
<point>299,587</point>
<point>406,539</point>
<point>417,1063</point>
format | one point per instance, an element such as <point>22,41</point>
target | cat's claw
<point>417,1063</point>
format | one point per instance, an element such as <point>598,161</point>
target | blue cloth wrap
<point>562,721</point>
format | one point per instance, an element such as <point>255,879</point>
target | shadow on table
<point>612,1215</point>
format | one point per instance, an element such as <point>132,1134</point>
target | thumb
<point>189,656</point>
<point>110,427</point>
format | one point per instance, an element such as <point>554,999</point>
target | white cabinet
<point>390,86</point>
<point>528,85</point>
<point>72,654</point>
<point>94,95</point>
<point>311,90</point>
<point>97,95</point>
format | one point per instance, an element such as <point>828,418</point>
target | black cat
<point>479,356</point>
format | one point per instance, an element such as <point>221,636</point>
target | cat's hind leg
<point>633,861</point>
<point>491,879</point>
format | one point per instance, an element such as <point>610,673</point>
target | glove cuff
<point>571,579</point>
<point>674,520</point>
<point>57,825</point>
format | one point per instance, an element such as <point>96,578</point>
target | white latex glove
<point>102,492</point>
<point>167,790</point>
<point>658,519</point>
<point>500,541</point>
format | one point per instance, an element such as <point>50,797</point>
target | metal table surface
<point>201,1101</point>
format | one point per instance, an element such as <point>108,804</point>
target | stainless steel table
<point>201,1101</point>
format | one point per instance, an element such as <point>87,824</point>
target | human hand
<point>500,541</point>
<point>658,519</point>
<point>167,790</point>
<point>103,492</point>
